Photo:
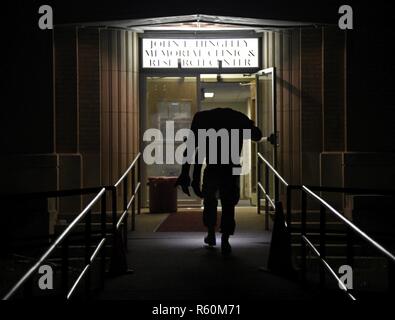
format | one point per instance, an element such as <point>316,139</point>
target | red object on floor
<point>162,194</point>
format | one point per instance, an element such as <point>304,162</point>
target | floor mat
<point>183,221</point>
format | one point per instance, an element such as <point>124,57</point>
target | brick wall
<point>322,97</point>
<point>119,102</point>
<point>311,85</point>
<point>334,91</point>
<point>281,50</point>
<point>89,105</point>
<point>89,90</point>
<point>96,90</point>
<point>66,104</point>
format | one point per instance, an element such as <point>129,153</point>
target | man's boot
<point>225,245</point>
<point>210,239</point>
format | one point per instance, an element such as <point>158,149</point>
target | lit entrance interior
<point>179,98</point>
<point>236,91</point>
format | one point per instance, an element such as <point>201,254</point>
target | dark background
<point>28,56</point>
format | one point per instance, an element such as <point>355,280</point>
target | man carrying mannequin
<point>221,179</point>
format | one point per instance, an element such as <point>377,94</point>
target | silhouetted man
<point>221,179</point>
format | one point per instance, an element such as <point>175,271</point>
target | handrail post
<point>303,233</point>
<point>267,186</point>
<point>134,200</point>
<point>350,247</point>
<point>65,267</point>
<point>114,217</point>
<point>258,189</point>
<point>289,207</point>
<point>276,189</point>
<point>88,234</point>
<point>125,209</point>
<point>391,276</point>
<point>103,219</point>
<point>139,181</point>
<point>28,288</point>
<point>322,243</point>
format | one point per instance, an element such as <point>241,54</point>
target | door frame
<point>143,114</point>
<point>267,71</point>
<point>273,138</point>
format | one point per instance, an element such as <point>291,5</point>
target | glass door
<point>170,104</point>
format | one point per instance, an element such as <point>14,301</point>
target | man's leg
<point>230,195</point>
<point>210,219</point>
<point>228,223</point>
<point>227,226</point>
<point>210,202</point>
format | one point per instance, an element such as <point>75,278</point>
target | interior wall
<point>238,106</point>
<point>169,89</point>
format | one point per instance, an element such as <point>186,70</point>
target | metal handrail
<point>352,226</point>
<point>131,202</point>
<point>85,213</point>
<point>265,190</point>
<point>272,169</point>
<point>128,170</point>
<point>58,240</point>
<point>328,267</point>
<point>267,196</point>
<point>321,254</point>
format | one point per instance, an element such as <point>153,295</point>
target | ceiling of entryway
<point>199,22</point>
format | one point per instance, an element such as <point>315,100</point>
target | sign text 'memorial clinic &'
<point>200,53</point>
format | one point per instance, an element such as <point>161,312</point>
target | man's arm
<point>184,180</point>
<point>197,170</point>
<point>256,133</point>
<point>246,123</point>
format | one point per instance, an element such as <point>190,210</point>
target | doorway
<point>178,98</point>
<point>235,91</point>
<point>168,98</point>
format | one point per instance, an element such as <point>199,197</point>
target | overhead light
<point>209,94</point>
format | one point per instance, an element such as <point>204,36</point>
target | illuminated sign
<point>200,53</point>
